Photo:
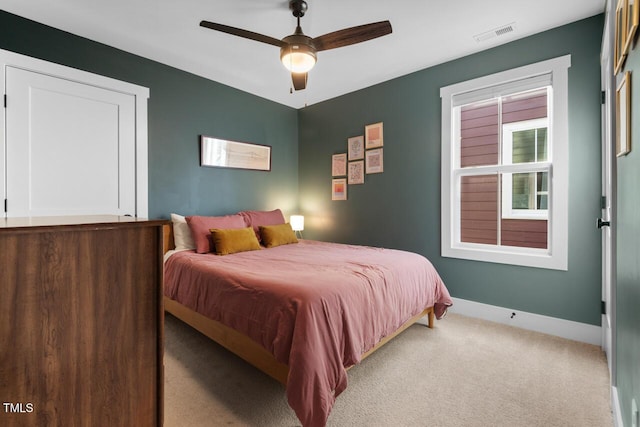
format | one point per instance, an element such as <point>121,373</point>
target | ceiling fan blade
<point>352,35</point>
<point>299,80</point>
<point>242,33</point>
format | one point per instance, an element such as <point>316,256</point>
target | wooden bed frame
<point>245,347</point>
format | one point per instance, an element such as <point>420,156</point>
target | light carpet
<point>464,372</point>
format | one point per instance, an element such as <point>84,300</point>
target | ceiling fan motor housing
<point>298,8</point>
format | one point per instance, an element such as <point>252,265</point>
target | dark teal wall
<point>183,106</point>
<point>400,208</point>
<point>628,254</point>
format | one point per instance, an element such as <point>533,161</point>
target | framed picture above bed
<point>221,153</point>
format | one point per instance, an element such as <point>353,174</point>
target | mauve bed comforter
<point>316,306</point>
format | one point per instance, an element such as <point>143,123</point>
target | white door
<point>70,147</point>
<point>607,215</point>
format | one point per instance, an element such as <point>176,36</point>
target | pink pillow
<point>200,226</point>
<point>257,218</point>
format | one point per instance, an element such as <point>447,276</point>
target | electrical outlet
<point>634,414</point>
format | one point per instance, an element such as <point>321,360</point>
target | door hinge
<point>5,100</point>
<point>5,205</point>
<point>603,307</point>
<point>603,97</point>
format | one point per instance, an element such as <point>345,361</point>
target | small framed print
<point>620,42</point>
<point>374,161</point>
<point>632,21</point>
<point>623,116</point>
<point>339,189</point>
<point>339,164</point>
<point>356,147</point>
<point>356,172</point>
<point>373,136</point>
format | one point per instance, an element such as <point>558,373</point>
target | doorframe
<point>608,86</point>
<point>140,94</point>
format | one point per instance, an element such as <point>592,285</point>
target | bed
<point>303,312</point>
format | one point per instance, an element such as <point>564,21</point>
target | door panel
<point>70,147</point>
<point>608,197</point>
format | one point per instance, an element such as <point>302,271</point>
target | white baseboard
<point>615,408</point>
<point>576,331</point>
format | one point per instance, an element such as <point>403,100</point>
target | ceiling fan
<point>298,51</point>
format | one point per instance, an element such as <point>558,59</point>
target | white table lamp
<point>297,223</point>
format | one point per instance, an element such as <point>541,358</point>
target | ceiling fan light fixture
<point>298,58</point>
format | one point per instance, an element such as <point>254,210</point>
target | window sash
<point>500,171</point>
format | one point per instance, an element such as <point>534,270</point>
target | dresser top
<point>63,221</point>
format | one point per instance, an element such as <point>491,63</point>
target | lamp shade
<point>297,222</point>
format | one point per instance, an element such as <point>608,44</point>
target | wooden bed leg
<point>431,318</point>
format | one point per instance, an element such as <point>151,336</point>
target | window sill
<point>526,257</point>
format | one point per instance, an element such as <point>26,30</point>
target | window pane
<point>524,106</point>
<point>542,144</point>
<point>529,145</point>
<point>542,201</point>
<point>479,209</point>
<point>542,191</point>
<point>542,182</point>
<point>523,189</point>
<point>479,134</point>
<point>524,146</point>
<point>529,191</point>
<point>524,233</point>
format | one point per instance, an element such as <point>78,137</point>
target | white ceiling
<point>425,33</point>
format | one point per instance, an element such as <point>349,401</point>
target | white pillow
<point>181,233</point>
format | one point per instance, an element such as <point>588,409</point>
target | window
<point>525,195</point>
<point>505,167</point>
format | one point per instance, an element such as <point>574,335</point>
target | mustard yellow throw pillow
<point>232,240</point>
<point>276,235</point>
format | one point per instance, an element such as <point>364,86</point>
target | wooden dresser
<point>81,321</point>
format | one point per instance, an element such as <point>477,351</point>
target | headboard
<point>167,241</point>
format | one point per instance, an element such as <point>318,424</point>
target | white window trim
<point>556,257</point>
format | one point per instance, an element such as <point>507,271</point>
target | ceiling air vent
<point>500,31</point>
